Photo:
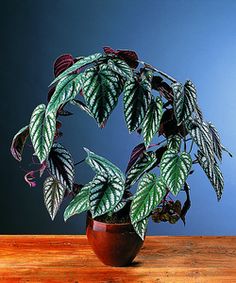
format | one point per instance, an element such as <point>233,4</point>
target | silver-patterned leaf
<point>18,143</point>
<point>150,192</point>
<point>175,169</point>
<point>174,142</point>
<point>215,140</point>
<point>141,227</point>
<point>226,150</point>
<point>185,101</point>
<point>79,64</point>
<point>80,202</point>
<point>53,195</point>
<point>137,97</point>
<point>61,165</point>
<point>140,167</point>
<point>102,165</point>
<point>42,130</point>
<point>213,173</point>
<point>120,67</point>
<point>101,90</point>
<point>200,133</point>
<point>66,90</point>
<point>82,106</point>
<point>105,193</point>
<point>152,119</point>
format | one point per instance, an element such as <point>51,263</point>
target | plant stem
<point>156,144</point>
<point>79,162</point>
<point>158,71</point>
<point>191,147</point>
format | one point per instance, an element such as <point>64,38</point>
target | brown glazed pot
<point>114,244</point>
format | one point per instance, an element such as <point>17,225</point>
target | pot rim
<point>105,223</point>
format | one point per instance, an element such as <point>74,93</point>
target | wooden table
<point>162,259</point>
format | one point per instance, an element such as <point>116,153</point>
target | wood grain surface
<point>162,259</point>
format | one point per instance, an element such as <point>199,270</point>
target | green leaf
<point>213,173</point>
<point>61,165</point>
<point>18,143</point>
<point>152,119</point>
<point>200,134</point>
<point>174,142</point>
<point>79,64</point>
<point>141,227</point>
<point>140,167</point>
<point>175,169</point>
<point>66,90</point>
<point>105,194</point>
<point>226,150</point>
<point>101,90</point>
<point>137,97</point>
<point>82,106</point>
<point>119,206</point>
<point>120,67</point>
<point>102,165</point>
<point>80,203</point>
<point>150,192</point>
<point>215,140</point>
<point>53,195</point>
<point>185,100</point>
<point>42,130</point>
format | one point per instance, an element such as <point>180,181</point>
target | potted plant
<point>157,107</point>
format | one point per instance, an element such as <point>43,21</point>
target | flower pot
<point>114,244</point>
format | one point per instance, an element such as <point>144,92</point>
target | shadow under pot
<point>114,244</point>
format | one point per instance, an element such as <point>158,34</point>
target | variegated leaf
<point>135,154</point>
<point>82,106</point>
<point>120,67</point>
<point>66,90</point>
<point>79,64</point>
<point>140,167</point>
<point>175,169</point>
<point>102,165</point>
<point>42,130</point>
<point>152,119</point>
<point>200,134</point>
<point>185,100</point>
<point>80,202</point>
<point>61,165</point>
<point>119,206</point>
<point>141,227</point>
<point>137,97</point>
<point>53,195</point>
<point>215,140</point>
<point>105,193</point>
<point>226,150</point>
<point>174,142</point>
<point>101,90</point>
<point>18,143</point>
<point>213,173</point>
<point>150,192</point>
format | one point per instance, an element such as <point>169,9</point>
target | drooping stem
<point>158,71</point>
<point>156,144</point>
<point>79,162</point>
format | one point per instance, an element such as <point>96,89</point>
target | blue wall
<point>189,39</point>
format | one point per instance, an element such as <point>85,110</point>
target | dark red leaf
<point>135,154</point>
<point>109,50</point>
<point>130,57</point>
<point>29,177</point>
<point>62,63</point>
<point>18,143</point>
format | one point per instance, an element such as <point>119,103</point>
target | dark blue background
<point>189,39</point>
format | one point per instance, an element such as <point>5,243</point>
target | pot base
<point>114,244</point>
